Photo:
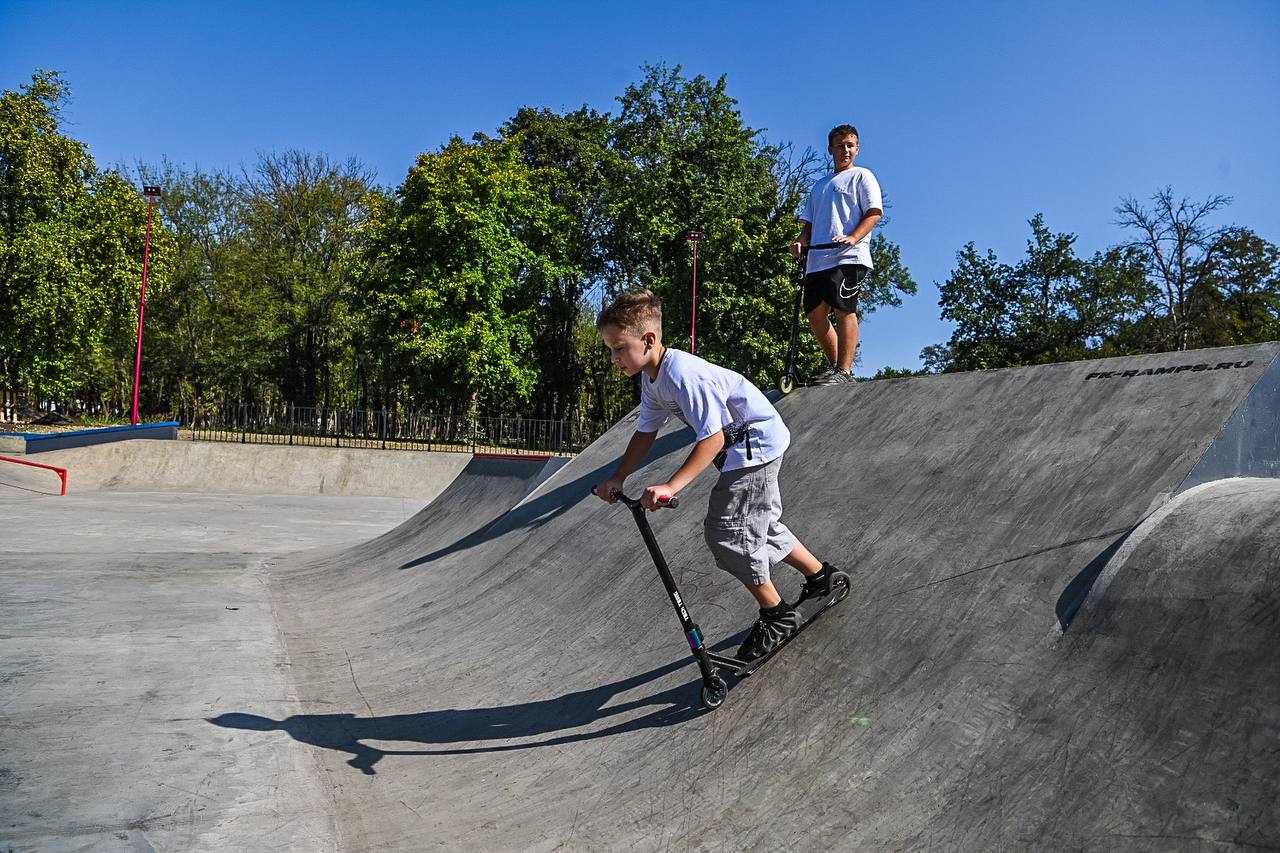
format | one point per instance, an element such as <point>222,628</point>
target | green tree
<point>890,280</point>
<point>981,297</point>
<point>1052,306</point>
<point>205,336</point>
<point>692,164</point>
<point>572,168</point>
<point>1180,251</point>
<point>1239,302</point>
<point>71,246</point>
<point>113,234</point>
<point>304,223</point>
<point>1113,304</point>
<point>43,175</point>
<point>454,288</point>
<point>900,372</point>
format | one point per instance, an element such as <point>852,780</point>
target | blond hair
<point>634,313</point>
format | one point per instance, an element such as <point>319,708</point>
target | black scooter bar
<point>714,689</point>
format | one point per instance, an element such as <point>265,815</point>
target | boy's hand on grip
<point>609,490</point>
<point>656,497</point>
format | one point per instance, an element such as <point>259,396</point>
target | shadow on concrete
<point>556,717</point>
<point>545,508</point>
<point>1085,578</point>
<point>1073,596</point>
<point>10,488</point>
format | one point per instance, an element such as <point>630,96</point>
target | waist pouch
<point>738,432</point>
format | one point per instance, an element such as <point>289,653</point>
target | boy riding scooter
<point>739,431</point>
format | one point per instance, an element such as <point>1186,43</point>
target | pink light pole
<point>152,193</point>
<point>694,237</point>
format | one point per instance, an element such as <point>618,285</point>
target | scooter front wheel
<point>714,693</point>
<point>787,383</point>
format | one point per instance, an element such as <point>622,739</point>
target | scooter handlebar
<point>812,246</point>
<point>670,503</point>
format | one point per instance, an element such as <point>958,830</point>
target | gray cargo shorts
<point>744,528</point>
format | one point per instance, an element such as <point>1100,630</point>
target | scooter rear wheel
<point>714,693</point>
<point>842,583</point>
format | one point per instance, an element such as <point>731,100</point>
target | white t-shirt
<point>708,398</point>
<point>836,205</point>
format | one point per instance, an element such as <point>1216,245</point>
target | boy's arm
<point>699,458</point>
<point>868,221</point>
<point>631,459</point>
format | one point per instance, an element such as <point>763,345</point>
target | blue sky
<point>974,116</point>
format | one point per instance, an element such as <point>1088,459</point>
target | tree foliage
<point>1177,283</point>
<point>1180,253</point>
<point>203,337</point>
<point>572,167</point>
<point>455,295</point>
<point>71,247</point>
<point>476,281</point>
<point>304,217</point>
<point>694,165</point>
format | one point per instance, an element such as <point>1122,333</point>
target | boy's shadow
<point>347,732</point>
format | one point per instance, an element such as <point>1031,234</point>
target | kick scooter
<point>791,378</point>
<point>714,688</point>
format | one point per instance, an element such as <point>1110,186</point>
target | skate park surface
<point>1061,636</point>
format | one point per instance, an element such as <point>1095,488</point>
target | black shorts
<point>839,287</point>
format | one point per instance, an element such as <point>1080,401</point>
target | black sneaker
<point>817,586</point>
<point>822,375</point>
<point>768,633</point>
<point>840,377</point>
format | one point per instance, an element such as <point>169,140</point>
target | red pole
<point>151,193</point>
<point>694,237</point>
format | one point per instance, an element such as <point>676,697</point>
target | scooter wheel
<point>786,383</point>
<point>843,584</point>
<point>714,693</point>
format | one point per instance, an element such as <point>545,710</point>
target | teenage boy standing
<point>843,207</point>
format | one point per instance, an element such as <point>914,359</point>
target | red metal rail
<point>62,472</point>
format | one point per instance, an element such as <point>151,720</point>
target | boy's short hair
<point>634,313</point>
<point>841,132</point>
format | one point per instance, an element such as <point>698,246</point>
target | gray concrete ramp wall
<point>255,469</point>
<point>477,497</point>
<point>527,687</point>
<point>1154,724</point>
<point>17,478</point>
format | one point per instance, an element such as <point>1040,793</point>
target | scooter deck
<point>798,384</point>
<point>744,669</point>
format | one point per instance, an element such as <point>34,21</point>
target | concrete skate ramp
<point>1158,715</point>
<point>461,515</point>
<point>248,469</point>
<point>1044,649</point>
<point>17,480</point>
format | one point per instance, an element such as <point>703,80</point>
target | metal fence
<point>331,427</point>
